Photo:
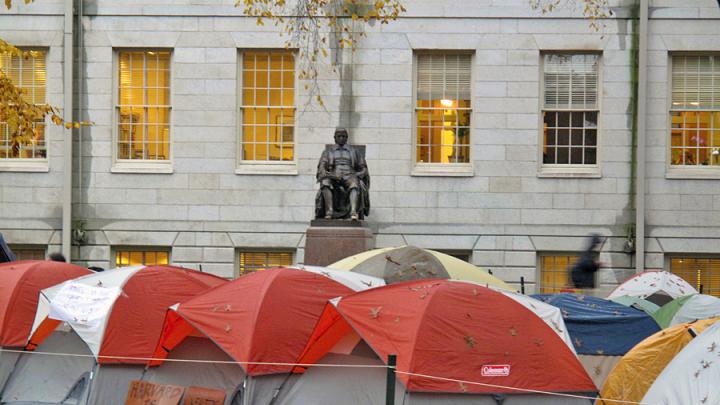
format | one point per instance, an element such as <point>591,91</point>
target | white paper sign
<point>82,304</point>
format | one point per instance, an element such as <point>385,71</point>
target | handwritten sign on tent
<point>204,396</point>
<point>147,393</point>
<point>82,304</point>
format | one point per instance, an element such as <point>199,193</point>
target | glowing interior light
<point>446,103</point>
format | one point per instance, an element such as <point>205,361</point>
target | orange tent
<point>20,285</point>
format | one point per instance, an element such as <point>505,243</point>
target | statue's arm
<point>322,170</point>
<point>361,170</point>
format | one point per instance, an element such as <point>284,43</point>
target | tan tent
<point>637,370</point>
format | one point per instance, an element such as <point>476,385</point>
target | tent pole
<point>390,390</point>
<point>91,378</point>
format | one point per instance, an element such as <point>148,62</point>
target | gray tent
<point>36,378</point>
<point>358,385</point>
<point>46,378</point>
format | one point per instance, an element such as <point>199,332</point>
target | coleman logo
<point>495,370</point>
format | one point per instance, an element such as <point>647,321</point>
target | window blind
<point>695,82</point>
<point>443,76</point>
<point>571,81</point>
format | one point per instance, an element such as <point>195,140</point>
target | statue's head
<point>341,136</point>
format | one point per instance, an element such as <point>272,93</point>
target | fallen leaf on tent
<point>538,342</point>
<point>99,284</point>
<point>578,342</point>
<point>470,341</point>
<point>390,259</point>
<point>475,291</point>
<point>704,399</point>
<point>468,316</point>
<point>397,319</point>
<point>228,307</point>
<point>375,312</point>
<point>513,331</point>
<point>326,274</point>
<point>600,351</point>
<point>423,295</point>
<point>228,328</point>
<point>712,347</point>
<point>705,364</point>
<point>367,283</point>
<point>598,370</point>
<point>463,388</point>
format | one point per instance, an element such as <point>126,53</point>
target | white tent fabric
<point>699,306</point>
<point>47,378</point>
<point>692,376</point>
<point>648,283</point>
<point>352,280</point>
<point>91,334</point>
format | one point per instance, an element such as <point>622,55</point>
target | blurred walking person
<point>582,273</point>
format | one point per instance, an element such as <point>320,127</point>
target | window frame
<point>41,165</point>
<point>239,252</point>
<point>29,247</point>
<point>680,171</point>
<point>442,169</point>
<point>145,249</point>
<point>570,170</point>
<point>267,167</point>
<point>139,166</point>
<point>539,269</point>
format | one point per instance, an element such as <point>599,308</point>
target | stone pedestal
<point>330,240</point>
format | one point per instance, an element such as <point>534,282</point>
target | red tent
<point>132,327</point>
<point>454,330</point>
<point>20,285</point>
<point>266,316</point>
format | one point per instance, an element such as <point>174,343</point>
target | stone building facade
<point>481,169</point>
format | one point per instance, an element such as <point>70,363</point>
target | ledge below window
<point>443,170</point>
<point>570,172</point>
<point>32,166</point>
<point>164,167</point>
<point>268,168</point>
<point>710,173</point>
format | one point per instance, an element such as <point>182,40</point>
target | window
<point>463,255</point>
<point>695,111</point>
<point>139,257</point>
<point>253,261</point>
<point>143,106</point>
<point>701,273</point>
<point>267,107</point>
<point>570,110</point>
<point>443,108</point>
<point>28,252</point>
<point>29,74</point>
<point>554,273</point>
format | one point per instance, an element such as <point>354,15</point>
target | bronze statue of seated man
<point>344,181</point>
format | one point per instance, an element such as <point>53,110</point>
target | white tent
<point>692,376</point>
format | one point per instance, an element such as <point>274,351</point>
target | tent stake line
<point>392,370</point>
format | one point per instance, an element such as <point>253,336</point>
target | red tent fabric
<point>135,322</point>
<point>266,316</point>
<point>20,285</point>
<point>456,330</point>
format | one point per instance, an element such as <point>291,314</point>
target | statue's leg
<point>353,204</point>
<point>328,198</point>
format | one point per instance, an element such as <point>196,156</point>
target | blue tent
<point>601,327</point>
<point>6,255</point>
